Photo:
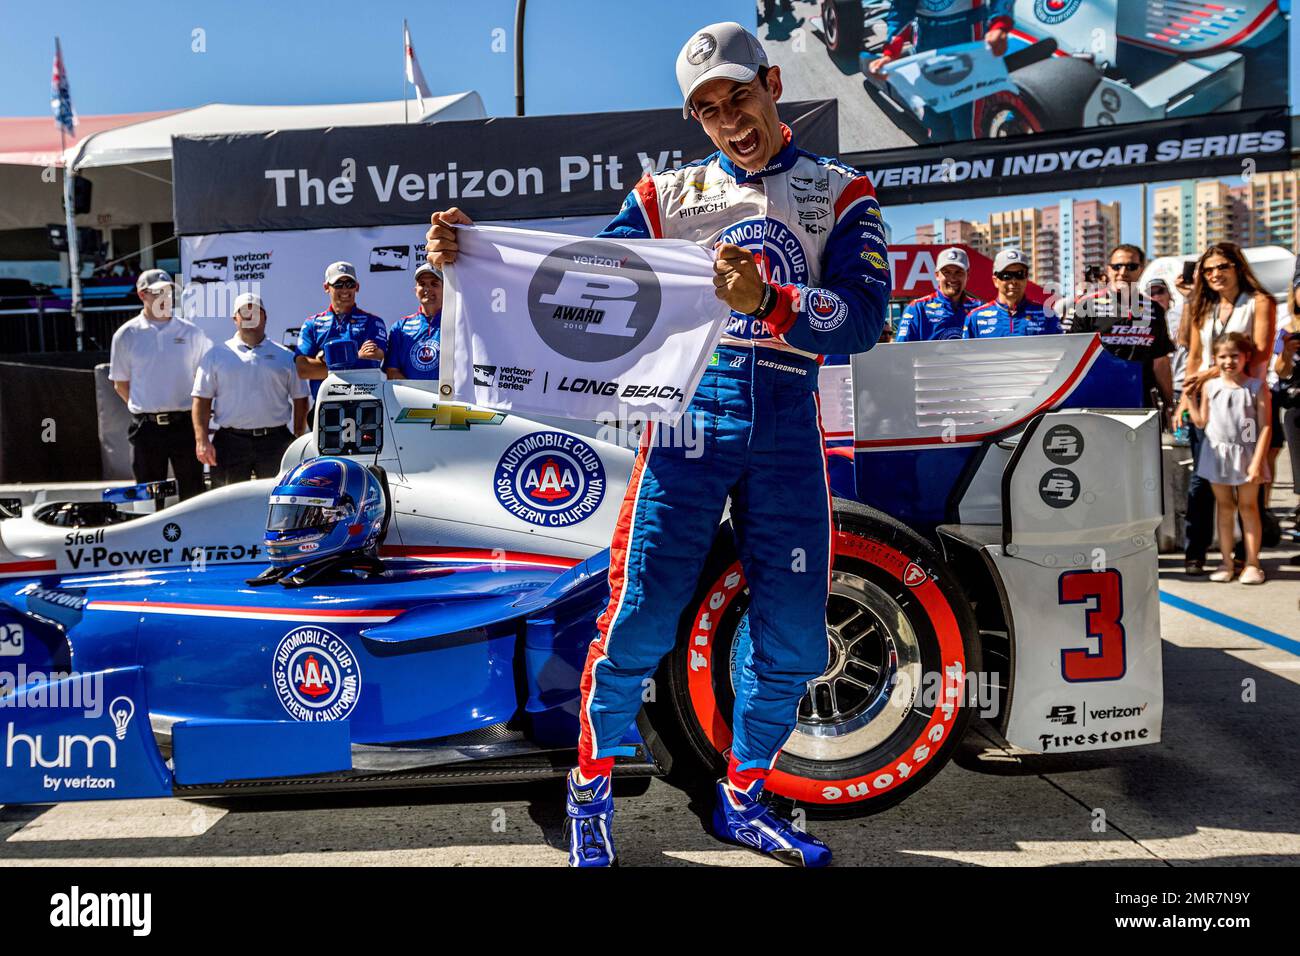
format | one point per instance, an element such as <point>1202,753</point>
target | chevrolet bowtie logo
<point>457,417</point>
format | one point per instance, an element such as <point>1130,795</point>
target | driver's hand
<point>736,278</point>
<point>878,64</point>
<point>996,41</point>
<point>440,245</point>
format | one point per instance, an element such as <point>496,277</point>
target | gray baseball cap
<point>719,51</point>
<point>429,268</point>
<point>153,280</point>
<point>952,256</point>
<point>339,270</point>
<point>1009,257</point>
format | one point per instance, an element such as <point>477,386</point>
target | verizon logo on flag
<point>580,328</point>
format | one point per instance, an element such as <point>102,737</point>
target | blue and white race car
<point>994,553</point>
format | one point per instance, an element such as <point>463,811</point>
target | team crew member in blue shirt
<point>414,341</point>
<point>1011,313</point>
<point>342,320</point>
<point>942,313</point>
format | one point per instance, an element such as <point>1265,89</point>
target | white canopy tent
<point>151,140</point>
<point>129,164</point>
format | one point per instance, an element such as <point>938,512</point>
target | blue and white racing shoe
<point>740,817</point>
<point>591,813</point>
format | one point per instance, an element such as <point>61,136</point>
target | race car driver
<point>1011,312</point>
<point>800,257</point>
<point>934,25</point>
<point>942,313</point>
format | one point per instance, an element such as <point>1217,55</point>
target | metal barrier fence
<point>41,329</point>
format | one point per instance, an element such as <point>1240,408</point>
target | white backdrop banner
<point>593,329</point>
<point>287,269</point>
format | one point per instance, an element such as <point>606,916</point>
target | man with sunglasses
<point>340,322</point>
<point>1131,325</point>
<point>1010,313</point>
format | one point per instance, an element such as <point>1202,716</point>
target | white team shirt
<point>159,360</point>
<point>250,387</point>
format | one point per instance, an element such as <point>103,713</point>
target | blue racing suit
<point>752,433</point>
<point>935,316</point>
<point>325,327</point>
<point>414,344</point>
<point>935,24</point>
<point>994,320</point>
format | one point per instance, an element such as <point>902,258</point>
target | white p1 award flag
<point>588,329</point>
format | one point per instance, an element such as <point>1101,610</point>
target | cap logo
<point>701,48</point>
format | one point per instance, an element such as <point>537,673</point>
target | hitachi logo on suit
<point>715,206</point>
<point>592,386</point>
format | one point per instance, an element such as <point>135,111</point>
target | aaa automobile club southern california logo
<point>424,354</point>
<point>1053,12</point>
<point>550,479</point>
<point>593,301</point>
<point>781,259</point>
<point>316,675</point>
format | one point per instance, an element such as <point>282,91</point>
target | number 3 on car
<point>1103,621</point>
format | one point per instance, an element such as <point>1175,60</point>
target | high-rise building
<point>1060,241</point>
<point>1262,211</point>
<point>1273,209</point>
<point>948,232</point>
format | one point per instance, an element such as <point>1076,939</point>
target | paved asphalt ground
<point>809,73</point>
<point>1223,786</point>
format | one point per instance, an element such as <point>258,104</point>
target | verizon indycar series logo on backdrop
<point>550,479</point>
<point>315,675</point>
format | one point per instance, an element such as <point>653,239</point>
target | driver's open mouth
<point>746,144</point>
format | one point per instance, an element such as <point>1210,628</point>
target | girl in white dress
<point>1234,413</point>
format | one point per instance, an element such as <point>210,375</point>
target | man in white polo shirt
<point>248,390</point>
<point>152,364</point>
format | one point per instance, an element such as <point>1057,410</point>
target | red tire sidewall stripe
<point>874,783</point>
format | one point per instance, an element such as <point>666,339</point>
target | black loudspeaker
<point>88,239</point>
<point>81,190</point>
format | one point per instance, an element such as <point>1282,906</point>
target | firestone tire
<point>844,30</point>
<point>1050,96</point>
<point>891,707</point>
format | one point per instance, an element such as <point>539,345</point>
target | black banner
<point>502,168</point>
<point>1101,156</point>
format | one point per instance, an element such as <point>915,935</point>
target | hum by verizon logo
<point>77,909</point>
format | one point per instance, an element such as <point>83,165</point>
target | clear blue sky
<point>132,56</point>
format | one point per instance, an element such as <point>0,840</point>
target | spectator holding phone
<point>1226,297</point>
<point>1232,410</point>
